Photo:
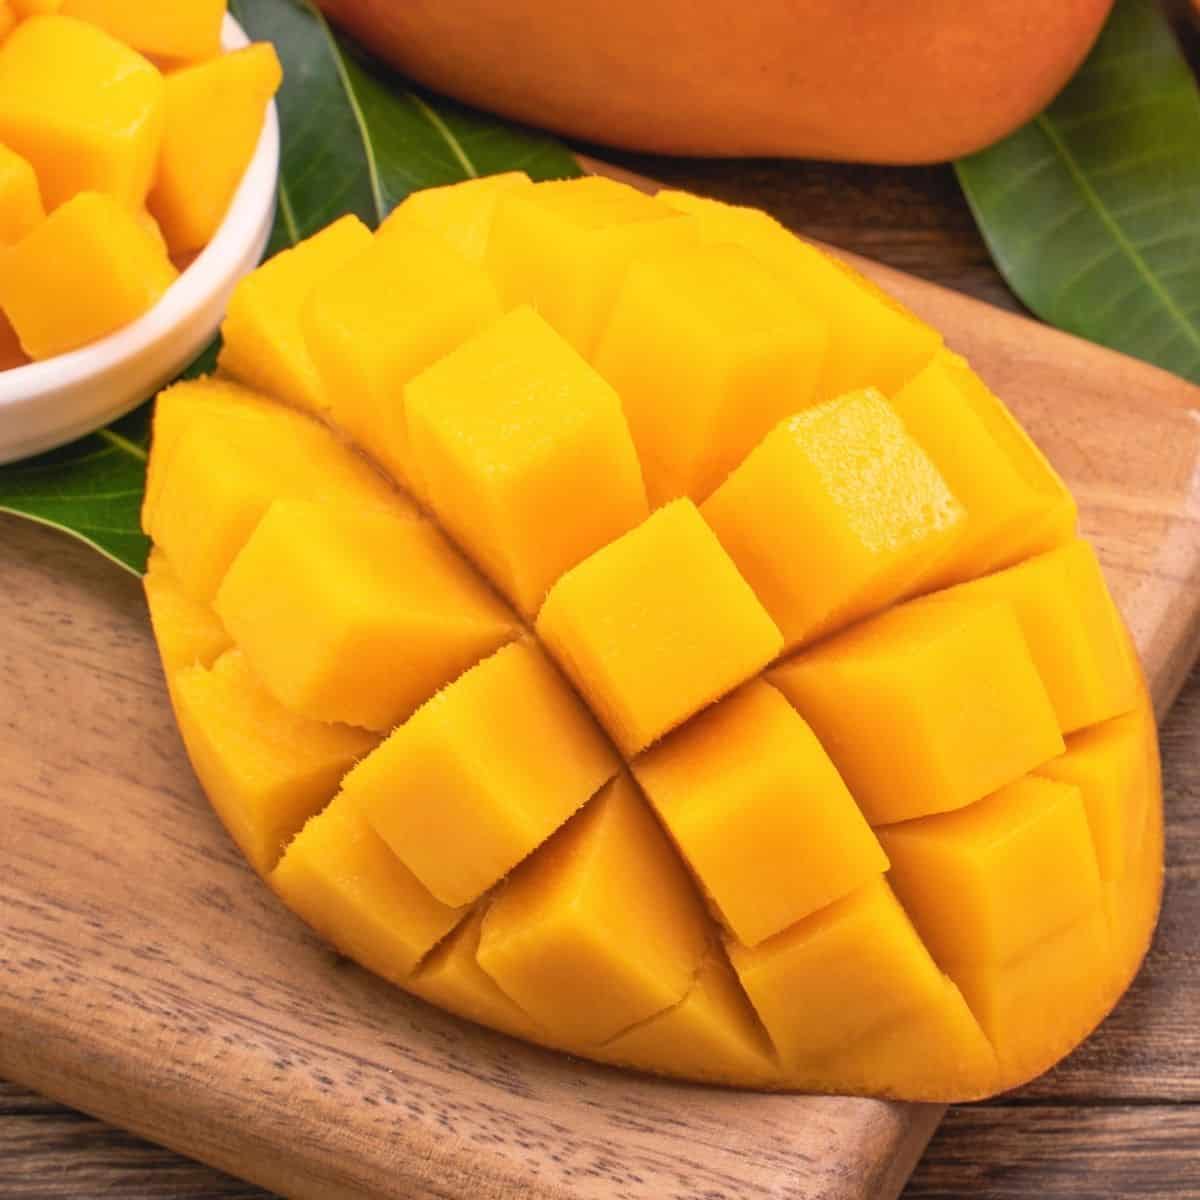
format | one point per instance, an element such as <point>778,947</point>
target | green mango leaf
<point>357,138</point>
<point>1092,210</point>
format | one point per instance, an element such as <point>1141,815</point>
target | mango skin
<point>872,81</point>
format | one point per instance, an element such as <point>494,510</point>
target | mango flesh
<point>727,791</point>
<point>124,135</point>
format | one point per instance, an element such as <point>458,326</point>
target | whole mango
<point>860,80</point>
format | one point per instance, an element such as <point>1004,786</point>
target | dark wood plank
<point>1055,1152</point>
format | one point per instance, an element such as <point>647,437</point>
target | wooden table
<point>1120,1119</point>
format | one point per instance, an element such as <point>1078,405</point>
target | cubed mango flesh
<point>957,691</point>
<point>214,114</point>
<point>843,780</point>
<point>86,110</point>
<point>265,768</point>
<point>186,30</point>
<point>843,485</point>
<point>86,271</point>
<point>459,213</point>
<point>759,813</point>
<point>1015,503</point>
<point>873,340</point>
<point>263,344</point>
<point>20,197</point>
<point>738,351</point>
<point>340,876</point>
<point>225,459</point>
<point>188,633</point>
<point>602,929</point>
<point>1071,627</point>
<point>985,884</point>
<point>495,763</point>
<point>391,311</point>
<point>656,626</point>
<point>386,608</point>
<point>506,432</point>
<point>564,247</point>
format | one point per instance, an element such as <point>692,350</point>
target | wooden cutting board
<point>148,977</point>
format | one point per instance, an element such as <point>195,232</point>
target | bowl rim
<point>207,274</point>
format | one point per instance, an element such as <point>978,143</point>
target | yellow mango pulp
<point>262,341</point>
<point>8,18</point>
<point>419,299</point>
<point>20,198</point>
<point>189,634</point>
<point>214,114</point>
<point>957,690</point>
<point>338,874</point>
<point>11,354</point>
<point>843,485</point>
<point>564,247</point>
<point>387,609</point>
<point>225,460</point>
<point>873,341</point>
<point>459,213</point>
<point>84,272</point>
<point>1015,503</point>
<point>602,929</point>
<point>733,792</point>
<point>505,775</point>
<point>656,625</point>
<point>84,109</point>
<point>738,351</point>
<point>183,29</point>
<point>1072,629</point>
<point>506,431</point>
<point>759,813</point>
<point>265,768</point>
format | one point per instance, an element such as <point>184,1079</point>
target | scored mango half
<point>612,619</point>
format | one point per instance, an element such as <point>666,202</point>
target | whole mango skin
<point>858,80</point>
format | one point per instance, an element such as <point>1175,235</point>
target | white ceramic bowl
<point>46,404</point>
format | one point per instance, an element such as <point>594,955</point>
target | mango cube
<point>1037,1007</point>
<point>564,247</point>
<point>759,813</point>
<point>489,769</point>
<point>739,352</point>
<point>451,977</point>
<point>392,310</point>
<point>460,213</point>
<point>181,30</point>
<point>1072,628</point>
<point>32,8</point>
<point>844,486</point>
<point>8,18</point>
<point>188,633</point>
<point>1108,764</point>
<point>83,108</point>
<point>87,270</point>
<point>847,969</point>
<point>656,626</point>
<point>265,769</point>
<point>985,884</point>
<point>1016,503</point>
<point>264,346</point>
<point>20,198</point>
<point>873,340</point>
<point>957,692</point>
<point>713,1025</point>
<point>601,929</point>
<point>214,115</point>
<point>338,874</point>
<point>11,354</point>
<point>225,460</point>
<point>385,608</point>
<point>507,431</point>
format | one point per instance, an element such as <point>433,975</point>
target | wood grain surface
<point>138,1005</point>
